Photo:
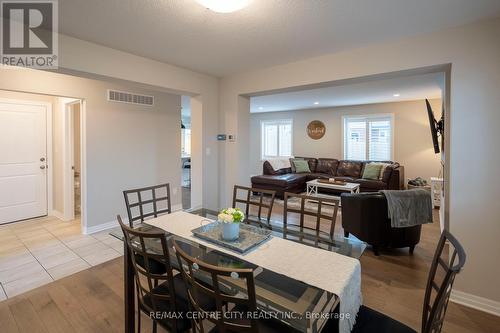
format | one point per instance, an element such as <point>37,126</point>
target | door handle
<point>42,167</point>
<point>42,159</point>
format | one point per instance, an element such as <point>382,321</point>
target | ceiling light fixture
<point>316,103</point>
<point>224,6</point>
<point>261,108</point>
<point>396,95</point>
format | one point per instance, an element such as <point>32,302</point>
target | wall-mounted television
<point>437,127</point>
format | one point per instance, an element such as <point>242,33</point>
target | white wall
<point>83,58</point>
<point>474,52</point>
<point>127,145</point>
<point>412,140</point>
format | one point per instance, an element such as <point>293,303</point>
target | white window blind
<point>368,138</point>
<point>379,140</point>
<point>276,139</point>
<point>355,140</point>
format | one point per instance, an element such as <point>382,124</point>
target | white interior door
<point>23,156</point>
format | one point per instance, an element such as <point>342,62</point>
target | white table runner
<point>323,269</point>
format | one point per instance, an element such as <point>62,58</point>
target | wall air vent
<point>130,98</point>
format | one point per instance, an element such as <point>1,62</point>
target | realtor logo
<point>29,33</point>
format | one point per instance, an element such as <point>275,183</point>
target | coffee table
<point>314,185</point>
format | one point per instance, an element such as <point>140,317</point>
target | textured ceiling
<point>266,33</point>
<point>379,91</point>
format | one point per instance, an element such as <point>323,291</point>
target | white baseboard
<point>57,214</point>
<point>114,223</point>
<point>475,302</point>
<point>196,207</point>
<point>102,227</point>
<point>176,208</point>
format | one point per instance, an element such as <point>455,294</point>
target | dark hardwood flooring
<point>92,300</point>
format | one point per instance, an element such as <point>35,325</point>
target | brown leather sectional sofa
<point>286,180</point>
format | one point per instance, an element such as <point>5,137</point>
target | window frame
<point>367,118</point>
<point>276,122</point>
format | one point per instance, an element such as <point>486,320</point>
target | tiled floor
<point>38,251</point>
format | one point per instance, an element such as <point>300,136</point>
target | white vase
<point>230,231</point>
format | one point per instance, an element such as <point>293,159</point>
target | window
<point>368,138</point>
<point>276,136</point>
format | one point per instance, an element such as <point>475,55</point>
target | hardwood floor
<point>92,300</point>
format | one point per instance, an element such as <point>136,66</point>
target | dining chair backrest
<point>448,260</point>
<point>145,262</point>
<point>312,206</point>
<point>147,202</point>
<point>217,284</point>
<point>258,199</point>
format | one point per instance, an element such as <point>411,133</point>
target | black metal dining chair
<point>437,294</point>
<point>303,206</point>
<point>226,299</point>
<point>156,292</point>
<point>147,202</point>
<point>254,199</point>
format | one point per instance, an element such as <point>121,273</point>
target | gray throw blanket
<point>409,208</point>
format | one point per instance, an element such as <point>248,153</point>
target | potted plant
<point>231,218</point>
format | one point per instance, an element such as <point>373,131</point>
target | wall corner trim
<point>476,302</point>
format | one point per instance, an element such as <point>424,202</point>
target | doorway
<point>262,103</point>
<point>68,165</point>
<point>186,151</point>
<point>73,110</point>
<point>40,164</point>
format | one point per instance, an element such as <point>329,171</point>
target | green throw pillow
<point>301,166</point>
<point>372,171</point>
<point>292,165</point>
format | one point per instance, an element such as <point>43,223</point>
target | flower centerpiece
<point>231,218</point>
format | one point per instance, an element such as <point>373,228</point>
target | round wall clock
<point>316,129</point>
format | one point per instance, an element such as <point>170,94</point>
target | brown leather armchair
<point>365,216</point>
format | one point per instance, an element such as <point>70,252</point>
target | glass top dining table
<point>305,308</point>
